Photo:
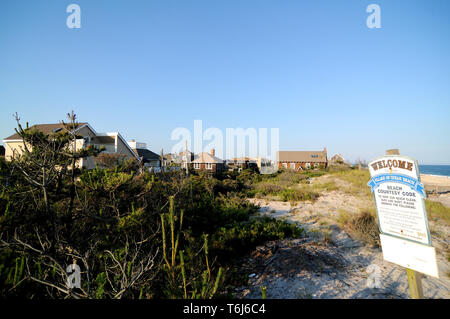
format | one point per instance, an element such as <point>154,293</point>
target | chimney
<point>213,152</point>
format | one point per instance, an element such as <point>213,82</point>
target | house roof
<point>337,157</point>
<point>146,154</point>
<point>44,128</point>
<point>172,157</point>
<point>302,156</point>
<point>206,158</point>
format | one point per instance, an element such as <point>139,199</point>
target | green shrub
<point>267,188</point>
<point>313,173</point>
<point>292,177</point>
<point>240,238</point>
<point>295,195</point>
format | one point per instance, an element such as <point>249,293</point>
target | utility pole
<point>162,161</point>
<point>187,158</point>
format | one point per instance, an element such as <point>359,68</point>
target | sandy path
<point>339,268</point>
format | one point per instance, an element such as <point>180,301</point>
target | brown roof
<point>206,158</point>
<point>337,157</point>
<point>302,156</point>
<point>44,128</point>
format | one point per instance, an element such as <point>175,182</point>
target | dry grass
<point>357,180</point>
<point>365,227</point>
<point>344,218</point>
<point>327,186</point>
<point>362,226</point>
<point>437,210</point>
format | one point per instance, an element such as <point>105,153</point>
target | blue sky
<point>310,68</point>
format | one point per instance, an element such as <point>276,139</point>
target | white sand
<point>352,281</point>
<point>435,180</point>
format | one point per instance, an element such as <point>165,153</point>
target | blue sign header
<point>415,184</point>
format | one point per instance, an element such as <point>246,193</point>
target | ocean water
<point>443,170</point>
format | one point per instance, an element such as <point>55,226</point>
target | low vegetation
<point>133,234</point>
<point>356,179</point>
<point>437,211</point>
<point>286,185</point>
<point>136,234</point>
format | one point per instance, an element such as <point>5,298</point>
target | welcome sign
<point>402,217</point>
<point>399,198</point>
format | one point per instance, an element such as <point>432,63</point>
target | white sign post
<point>402,218</point>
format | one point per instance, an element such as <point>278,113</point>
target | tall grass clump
<point>364,227</point>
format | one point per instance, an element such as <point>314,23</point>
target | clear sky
<point>311,68</point>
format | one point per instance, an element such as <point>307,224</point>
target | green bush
<point>313,173</point>
<point>267,188</point>
<point>237,239</point>
<point>295,195</point>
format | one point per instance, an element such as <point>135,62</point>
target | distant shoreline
<point>435,170</point>
<point>435,175</point>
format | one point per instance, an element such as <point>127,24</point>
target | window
<point>314,156</point>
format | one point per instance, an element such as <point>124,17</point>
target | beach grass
<point>287,186</point>
<point>357,180</point>
<point>325,186</point>
<point>362,226</point>
<point>437,210</point>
